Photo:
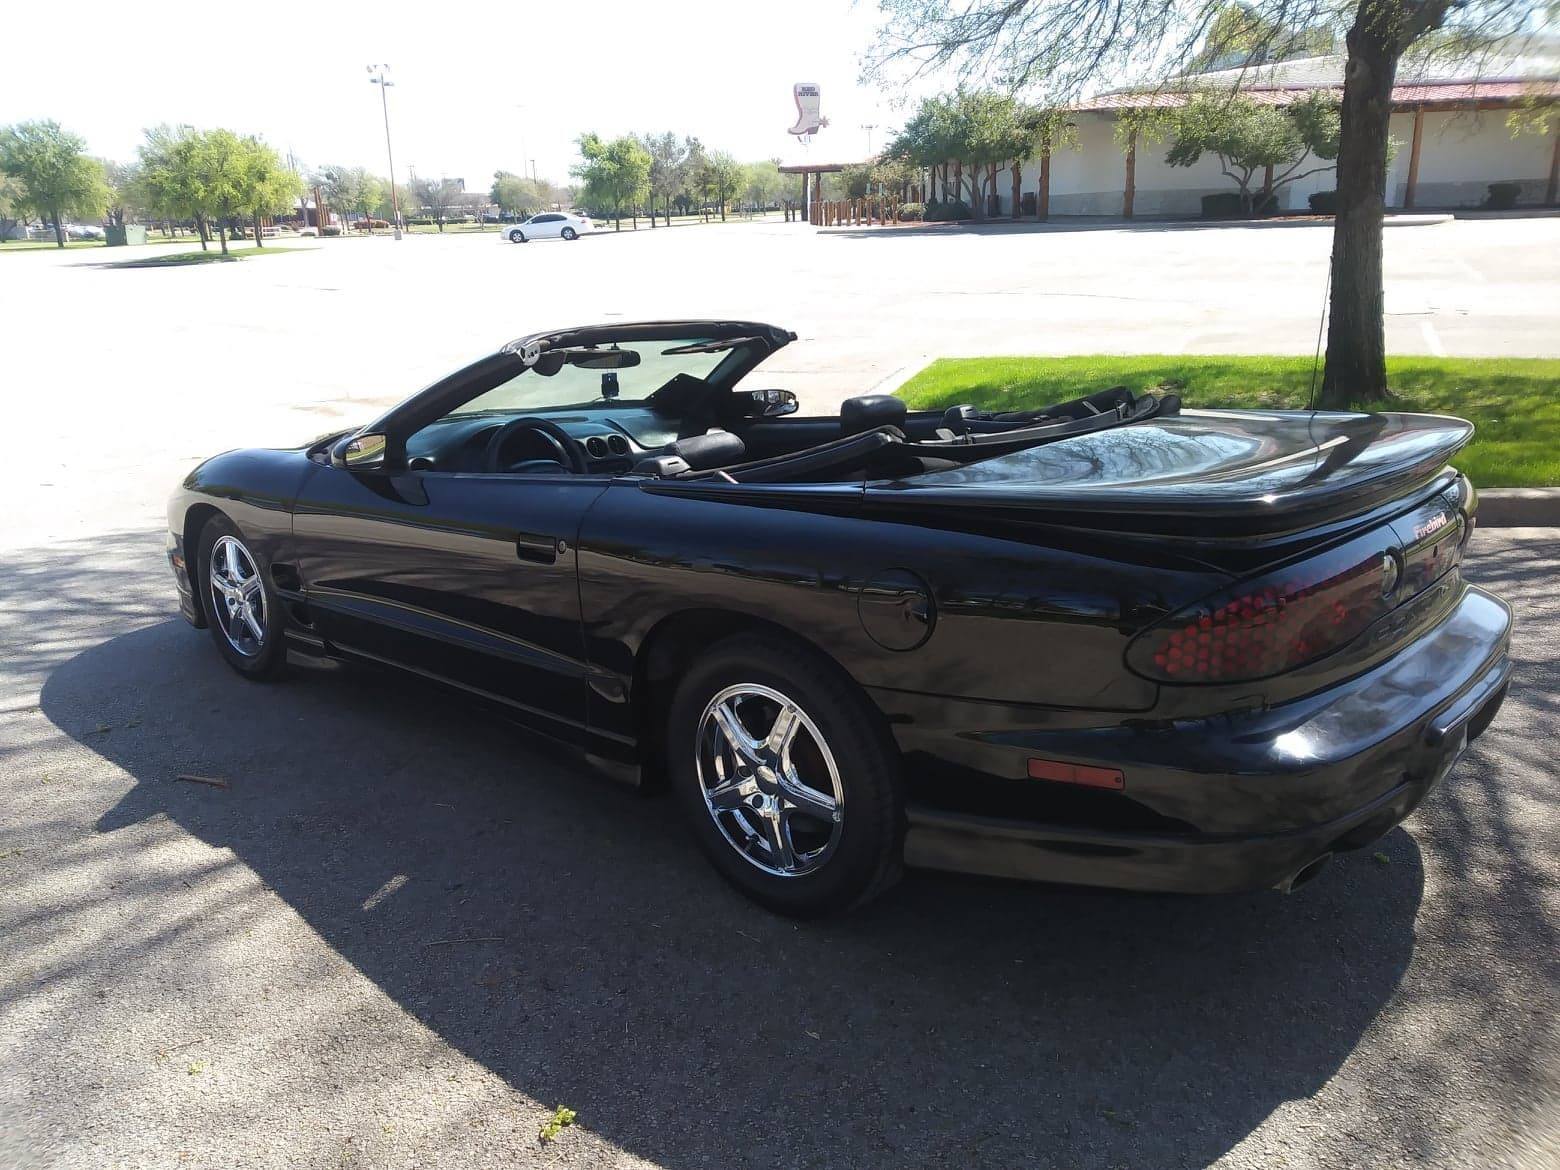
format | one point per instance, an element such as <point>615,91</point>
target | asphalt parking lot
<point>402,934</point>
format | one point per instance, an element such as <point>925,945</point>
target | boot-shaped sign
<point>808,120</point>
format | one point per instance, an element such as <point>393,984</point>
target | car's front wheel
<point>517,237</point>
<point>787,778</point>
<point>242,610</point>
<point>570,234</point>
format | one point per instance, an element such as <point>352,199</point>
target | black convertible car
<point>1111,642</point>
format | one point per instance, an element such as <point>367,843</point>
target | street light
<point>377,77</point>
<point>869,127</point>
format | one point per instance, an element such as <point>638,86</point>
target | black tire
<point>569,234</point>
<point>517,237</point>
<point>263,658</point>
<point>865,858</point>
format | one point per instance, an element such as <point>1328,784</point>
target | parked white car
<point>548,225</point>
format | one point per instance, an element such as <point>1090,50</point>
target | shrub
<point>950,210</point>
<point>1503,196</point>
<point>912,211</point>
<point>1324,201</point>
<point>330,230</point>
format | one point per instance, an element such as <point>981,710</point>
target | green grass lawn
<point>41,245</point>
<point>1513,402</point>
<point>214,256</point>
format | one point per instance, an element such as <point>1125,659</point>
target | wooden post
<point>1552,192</point>
<point>1410,188</point>
<point>1130,192</point>
<point>1043,203</point>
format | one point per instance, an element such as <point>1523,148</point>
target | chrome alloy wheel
<point>237,597</point>
<point>769,780</point>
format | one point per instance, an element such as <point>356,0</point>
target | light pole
<point>869,127</point>
<point>377,77</point>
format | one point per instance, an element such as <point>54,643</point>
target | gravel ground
<point>403,934</point>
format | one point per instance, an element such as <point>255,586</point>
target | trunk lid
<point>1254,473</point>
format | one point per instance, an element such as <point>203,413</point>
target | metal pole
<point>384,102</point>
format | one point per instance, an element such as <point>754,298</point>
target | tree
<point>52,175</point>
<point>122,182</point>
<point>222,179</point>
<point>1249,137</point>
<point>1241,35</point>
<point>761,183</point>
<point>723,175</point>
<point>437,196</point>
<point>11,216</point>
<point>692,176</point>
<point>615,174</point>
<point>339,186</point>
<point>167,176</point>
<point>977,130</point>
<point>668,155</point>
<point>270,187</point>
<point>1060,46</point>
<point>518,196</point>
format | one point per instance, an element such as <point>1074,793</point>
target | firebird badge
<point>1440,521</point>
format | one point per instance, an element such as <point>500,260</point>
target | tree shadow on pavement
<point>955,1022</point>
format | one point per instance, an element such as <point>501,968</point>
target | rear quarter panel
<point>1035,620</point>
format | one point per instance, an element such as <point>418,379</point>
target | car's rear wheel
<point>569,233</point>
<point>517,237</point>
<point>242,610</point>
<point>786,776</point>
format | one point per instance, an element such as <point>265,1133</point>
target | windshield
<point>641,368</point>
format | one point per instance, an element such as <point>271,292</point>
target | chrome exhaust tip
<point>1303,875</point>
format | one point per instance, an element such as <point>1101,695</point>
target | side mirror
<point>769,403</point>
<point>360,453</point>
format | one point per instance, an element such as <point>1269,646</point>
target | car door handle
<point>542,550</point>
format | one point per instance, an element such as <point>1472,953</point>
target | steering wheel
<point>563,446</point>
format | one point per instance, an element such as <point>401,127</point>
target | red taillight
<point>1272,625</point>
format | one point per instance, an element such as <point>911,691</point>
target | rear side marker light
<point>1083,774</point>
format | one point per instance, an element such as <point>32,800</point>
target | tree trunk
<point>1043,197</point>
<point>59,232</point>
<point>1018,188</point>
<point>200,228</point>
<point>222,235</point>
<point>1356,342</point>
<point>259,242</point>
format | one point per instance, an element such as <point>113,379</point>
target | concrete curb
<point>1519,508</point>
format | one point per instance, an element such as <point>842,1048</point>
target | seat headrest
<point>869,411</point>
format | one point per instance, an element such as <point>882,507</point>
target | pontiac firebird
<point>1110,642</point>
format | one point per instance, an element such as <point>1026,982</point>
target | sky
<point>472,93</point>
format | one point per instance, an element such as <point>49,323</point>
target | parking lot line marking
<point>1432,339</point>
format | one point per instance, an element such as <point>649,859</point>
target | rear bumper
<point>1234,802</point>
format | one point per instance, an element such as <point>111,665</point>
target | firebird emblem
<point>1423,530</point>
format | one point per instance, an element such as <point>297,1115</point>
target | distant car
<point>83,231</point>
<point>549,225</point>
